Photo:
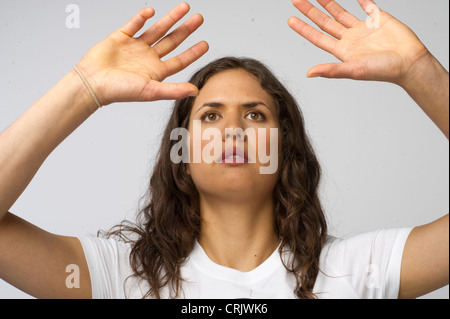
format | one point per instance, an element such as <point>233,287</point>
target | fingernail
<point>193,94</point>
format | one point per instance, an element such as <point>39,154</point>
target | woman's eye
<point>256,116</point>
<point>210,117</point>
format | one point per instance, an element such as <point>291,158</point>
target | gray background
<point>385,163</point>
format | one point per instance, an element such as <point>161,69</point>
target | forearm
<point>428,85</point>
<point>26,144</point>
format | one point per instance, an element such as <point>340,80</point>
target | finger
<point>174,39</point>
<point>137,22</point>
<point>168,91</point>
<point>367,5</point>
<point>317,38</point>
<point>182,61</point>
<point>324,22</point>
<point>338,71</point>
<point>340,14</point>
<point>160,28</point>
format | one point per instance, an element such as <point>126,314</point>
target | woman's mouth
<point>233,155</point>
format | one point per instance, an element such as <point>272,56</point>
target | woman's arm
<point>381,49</point>
<point>120,68</point>
<point>30,258</point>
<point>428,84</point>
<point>384,49</point>
<point>27,142</point>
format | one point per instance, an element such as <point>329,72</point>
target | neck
<point>238,234</point>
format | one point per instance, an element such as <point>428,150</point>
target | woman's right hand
<point>126,69</point>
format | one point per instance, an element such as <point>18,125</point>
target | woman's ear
<point>188,171</point>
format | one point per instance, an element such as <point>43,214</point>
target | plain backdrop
<point>385,164</point>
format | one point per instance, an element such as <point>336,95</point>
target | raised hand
<point>126,69</point>
<point>380,49</point>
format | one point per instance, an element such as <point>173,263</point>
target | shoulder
<point>366,265</point>
<point>381,241</point>
<point>109,266</point>
<point>98,249</point>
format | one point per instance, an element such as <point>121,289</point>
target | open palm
<point>123,68</point>
<point>379,49</point>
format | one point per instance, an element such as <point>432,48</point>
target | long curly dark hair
<point>169,223</point>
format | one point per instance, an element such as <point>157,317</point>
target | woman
<point>218,229</point>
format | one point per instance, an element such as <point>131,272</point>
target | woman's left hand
<point>379,49</point>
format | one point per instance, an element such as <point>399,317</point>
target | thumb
<point>337,71</point>
<point>169,91</point>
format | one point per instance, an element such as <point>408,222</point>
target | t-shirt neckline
<point>209,267</point>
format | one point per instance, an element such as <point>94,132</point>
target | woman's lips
<point>233,155</point>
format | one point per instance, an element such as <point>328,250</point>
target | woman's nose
<point>233,127</point>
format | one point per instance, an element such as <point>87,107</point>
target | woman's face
<point>233,129</point>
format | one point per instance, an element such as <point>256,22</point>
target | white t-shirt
<point>363,266</point>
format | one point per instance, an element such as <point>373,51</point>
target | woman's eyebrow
<point>247,105</point>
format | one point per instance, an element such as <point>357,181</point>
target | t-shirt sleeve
<point>107,260</point>
<point>370,262</point>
